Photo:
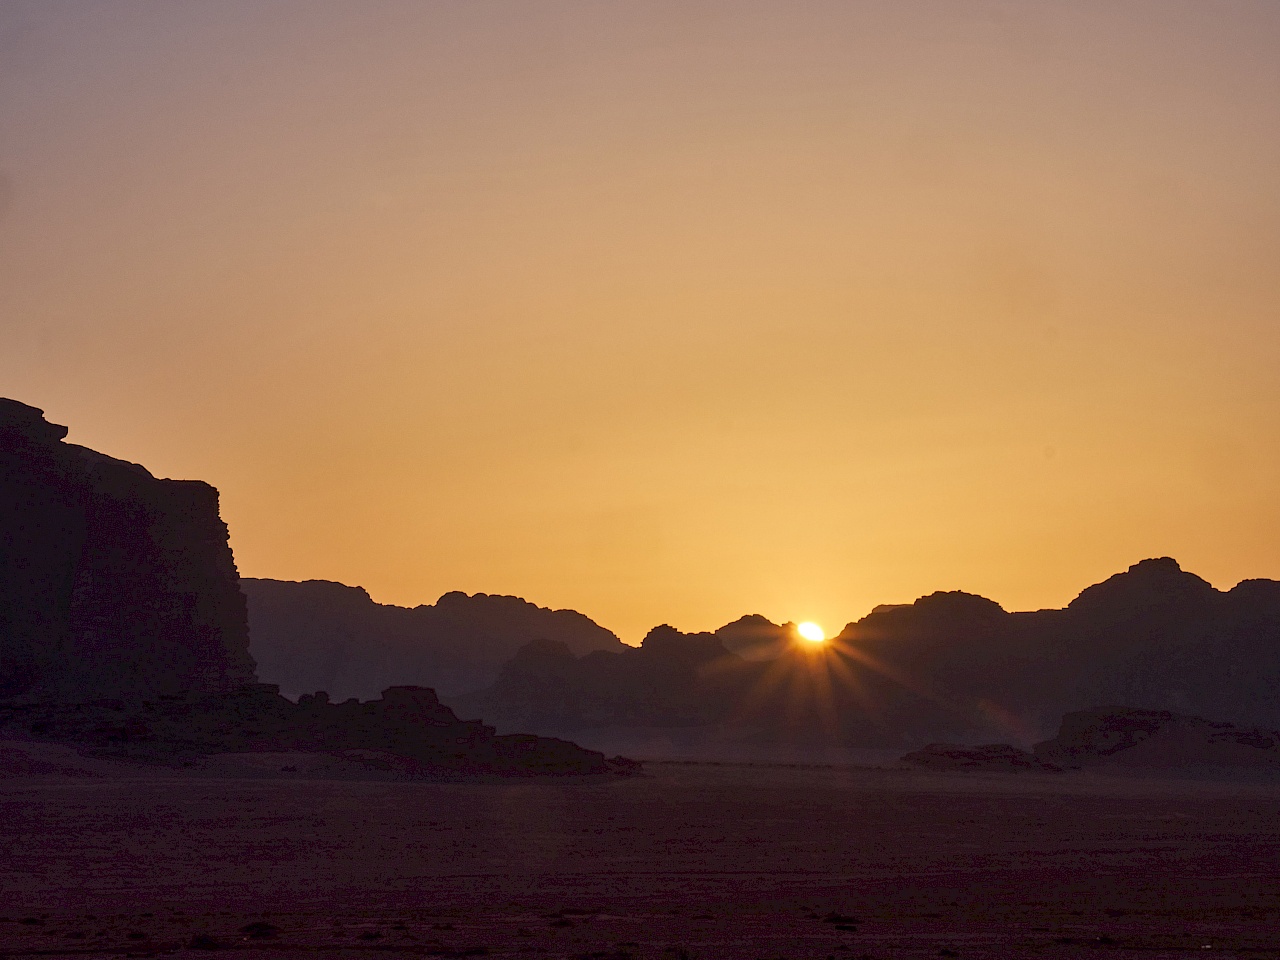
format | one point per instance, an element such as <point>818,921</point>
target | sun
<point>811,631</point>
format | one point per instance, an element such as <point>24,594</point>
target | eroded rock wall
<point>112,582</point>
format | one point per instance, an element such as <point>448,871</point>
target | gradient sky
<point>666,312</point>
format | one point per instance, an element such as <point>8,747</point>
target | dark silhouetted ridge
<point>1152,585</point>
<point>112,582</point>
<point>408,730</point>
<point>952,666</point>
<point>122,627</point>
<point>320,635</point>
<point>668,643</point>
<point>754,637</point>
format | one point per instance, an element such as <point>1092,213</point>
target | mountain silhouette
<point>950,666</point>
<point>1154,636</point>
<point>112,582</point>
<point>671,679</point>
<point>123,628</point>
<point>754,637</point>
<point>320,635</point>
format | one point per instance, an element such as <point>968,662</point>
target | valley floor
<point>691,860</point>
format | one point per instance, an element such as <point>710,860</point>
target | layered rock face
<point>320,635</point>
<point>112,582</point>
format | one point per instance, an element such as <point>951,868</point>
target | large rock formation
<point>406,730</point>
<point>319,635</point>
<point>1120,736</point>
<point>122,627</point>
<point>951,666</point>
<point>112,582</point>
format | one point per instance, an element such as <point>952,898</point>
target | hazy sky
<point>663,311</point>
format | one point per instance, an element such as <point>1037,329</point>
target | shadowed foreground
<point>692,860</point>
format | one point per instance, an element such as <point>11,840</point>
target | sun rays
<point>842,688</point>
<point>808,630</point>
<point>827,684</point>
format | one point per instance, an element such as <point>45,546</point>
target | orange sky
<point>664,311</point>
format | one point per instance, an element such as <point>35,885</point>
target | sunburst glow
<point>811,632</point>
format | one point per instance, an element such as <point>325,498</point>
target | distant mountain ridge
<point>320,635</point>
<point>951,666</point>
<point>1154,636</point>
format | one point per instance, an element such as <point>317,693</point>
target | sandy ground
<point>691,860</point>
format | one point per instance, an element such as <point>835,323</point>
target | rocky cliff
<point>112,582</point>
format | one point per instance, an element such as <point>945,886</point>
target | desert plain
<point>274,855</point>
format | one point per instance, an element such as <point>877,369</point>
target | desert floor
<point>690,860</point>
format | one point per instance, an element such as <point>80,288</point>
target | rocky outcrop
<point>991,757</point>
<point>320,635</point>
<point>112,582</point>
<point>1119,737</point>
<point>407,730</point>
<point>1122,736</point>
